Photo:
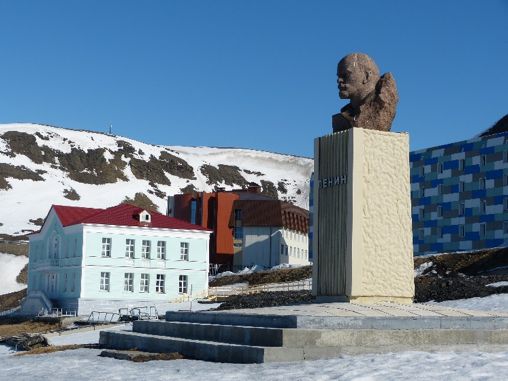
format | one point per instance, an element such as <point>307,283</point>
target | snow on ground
<point>84,364</point>
<point>497,302</point>
<point>498,284</point>
<point>421,269</point>
<point>84,337</point>
<point>10,266</point>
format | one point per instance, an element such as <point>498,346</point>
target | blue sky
<point>256,74</point>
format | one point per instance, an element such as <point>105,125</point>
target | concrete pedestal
<point>362,240</point>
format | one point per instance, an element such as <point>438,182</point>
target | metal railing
<point>300,285</point>
<point>101,317</point>
<point>139,313</point>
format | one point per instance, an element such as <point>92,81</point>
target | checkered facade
<point>459,195</point>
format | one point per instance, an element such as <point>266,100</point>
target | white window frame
<point>144,283</point>
<point>106,247</point>
<point>184,251</point>
<point>160,284</point>
<point>183,284</point>
<point>161,249</point>
<point>146,248</point>
<point>130,248</point>
<point>128,282</point>
<point>105,283</point>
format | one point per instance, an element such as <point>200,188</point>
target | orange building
<point>228,213</point>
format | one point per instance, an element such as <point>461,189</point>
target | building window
<point>128,283</point>
<point>462,231</point>
<point>462,164</point>
<point>281,249</point>
<point>483,230</point>
<point>483,206</point>
<point>106,247</point>
<point>104,281</point>
<point>184,251</point>
<point>506,204</point>
<point>129,248</point>
<point>505,180</point>
<point>65,283</point>
<point>484,160</point>
<point>161,249</point>
<point>160,283</point>
<point>422,191</point>
<point>182,284</point>
<point>144,283</point>
<point>146,247</point>
<point>481,183</point>
<point>73,284</point>
<point>75,251</point>
<point>461,209</point>
<point>505,227</point>
<point>440,167</point>
<point>286,250</point>
<point>440,189</point>
<point>439,211</point>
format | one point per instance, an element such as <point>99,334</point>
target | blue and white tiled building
<point>459,195</point>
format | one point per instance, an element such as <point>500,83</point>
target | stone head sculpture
<point>373,98</point>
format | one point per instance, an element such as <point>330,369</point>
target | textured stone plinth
<point>362,240</point>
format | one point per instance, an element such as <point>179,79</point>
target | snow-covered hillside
<point>10,267</point>
<point>43,165</point>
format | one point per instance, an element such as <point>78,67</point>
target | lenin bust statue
<point>373,98</point>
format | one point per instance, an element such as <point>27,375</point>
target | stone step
<point>255,336</point>
<point>340,322</point>
<point>301,344</point>
<point>222,318</point>
<point>300,337</point>
<point>198,349</point>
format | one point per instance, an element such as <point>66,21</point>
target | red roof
<point>120,215</point>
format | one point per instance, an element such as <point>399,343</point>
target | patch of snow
<point>422,268</point>
<point>10,267</point>
<point>497,302</point>
<point>84,364</point>
<point>84,337</point>
<point>498,284</point>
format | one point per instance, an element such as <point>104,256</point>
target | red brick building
<point>233,215</point>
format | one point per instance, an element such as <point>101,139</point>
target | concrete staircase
<point>247,338</point>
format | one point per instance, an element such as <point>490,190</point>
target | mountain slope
<point>43,165</point>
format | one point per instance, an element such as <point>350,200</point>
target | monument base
<point>363,299</point>
<point>363,250</point>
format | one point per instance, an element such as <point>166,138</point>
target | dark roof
<point>120,215</point>
<point>274,213</point>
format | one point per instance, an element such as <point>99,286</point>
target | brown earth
<point>16,326</point>
<point>447,277</point>
<point>264,277</point>
<point>11,300</point>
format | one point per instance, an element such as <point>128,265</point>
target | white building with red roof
<point>87,259</point>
